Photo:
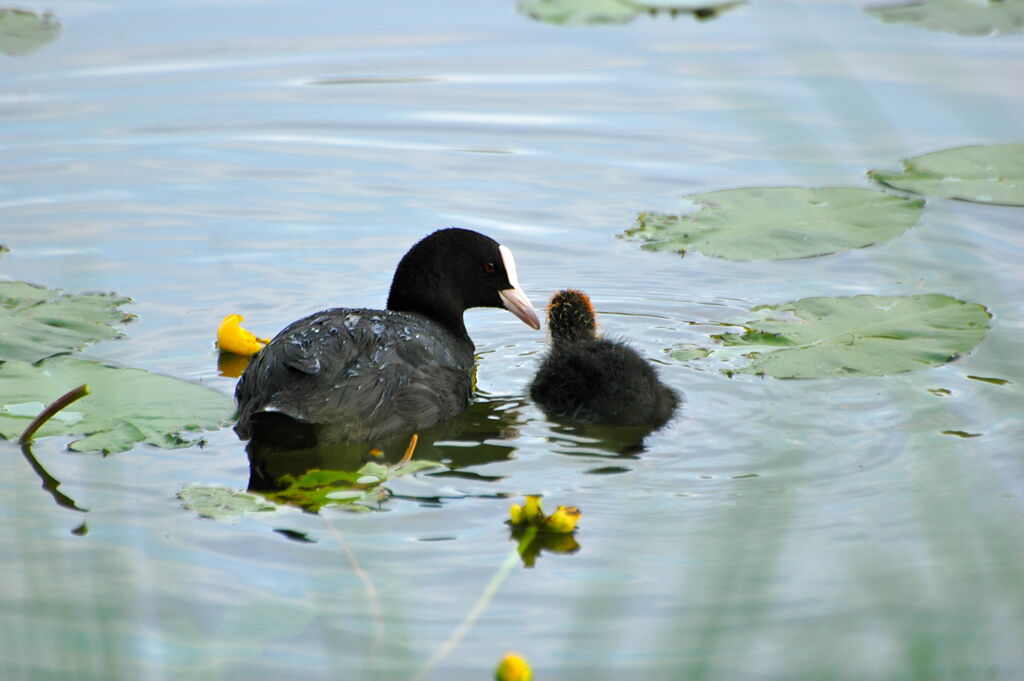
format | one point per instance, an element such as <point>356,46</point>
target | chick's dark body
<point>602,381</point>
<point>587,378</point>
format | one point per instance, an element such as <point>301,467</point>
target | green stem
<point>478,608</point>
<point>58,404</point>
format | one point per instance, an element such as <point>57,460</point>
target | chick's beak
<point>513,298</point>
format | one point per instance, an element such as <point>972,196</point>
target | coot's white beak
<point>514,299</point>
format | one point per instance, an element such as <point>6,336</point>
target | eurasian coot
<point>589,379</point>
<point>379,373</point>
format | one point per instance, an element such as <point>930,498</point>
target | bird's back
<point>372,373</point>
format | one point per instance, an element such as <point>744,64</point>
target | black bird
<point>376,374</point>
<point>589,379</point>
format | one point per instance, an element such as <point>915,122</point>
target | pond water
<point>224,156</point>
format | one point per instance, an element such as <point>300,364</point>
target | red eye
<point>489,267</point>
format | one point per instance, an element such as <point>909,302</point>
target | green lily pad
<point>983,174</point>
<point>858,336</point>
<point>594,12</point>
<point>963,17</point>
<point>223,504</point>
<point>360,490</point>
<point>779,223</point>
<point>37,322</point>
<point>125,406</point>
<point>22,32</point>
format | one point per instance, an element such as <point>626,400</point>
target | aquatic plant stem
<point>46,414</point>
<point>376,611</point>
<point>478,608</point>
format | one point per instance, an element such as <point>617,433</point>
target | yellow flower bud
<point>563,520</point>
<point>533,508</point>
<point>231,337</point>
<point>515,514</point>
<point>513,668</point>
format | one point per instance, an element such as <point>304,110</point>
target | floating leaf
<point>359,490</point>
<point>592,12</point>
<point>984,174</point>
<point>125,407</point>
<point>858,336</point>
<point>37,322</point>
<point>963,17</point>
<point>222,504</point>
<point>779,223</point>
<point>22,32</point>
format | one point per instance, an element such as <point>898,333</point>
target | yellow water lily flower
<point>513,668</point>
<point>563,520</point>
<point>231,337</point>
<point>533,508</point>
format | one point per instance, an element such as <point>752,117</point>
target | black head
<point>452,270</point>
<point>571,317</point>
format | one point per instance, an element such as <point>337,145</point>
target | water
<point>226,157</point>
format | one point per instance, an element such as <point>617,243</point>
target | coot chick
<point>376,374</point>
<point>589,379</point>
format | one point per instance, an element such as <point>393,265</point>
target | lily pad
<point>37,322</point>
<point>594,12</point>
<point>779,223</point>
<point>858,336</point>
<point>22,32</point>
<point>360,490</point>
<point>125,407</point>
<point>983,174</point>
<point>223,504</point>
<point>963,17</point>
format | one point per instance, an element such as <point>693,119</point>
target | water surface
<point>217,157</point>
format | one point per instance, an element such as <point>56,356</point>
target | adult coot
<point>379,373</point>
<point>589,379</point>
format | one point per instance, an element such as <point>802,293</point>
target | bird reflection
<point>481,434</point>
<point>588,439</point>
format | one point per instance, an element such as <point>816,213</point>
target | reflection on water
<point>625,442</point>
<point>531,544</point>
<point>482,434</point>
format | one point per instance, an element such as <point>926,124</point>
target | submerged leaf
<point>220,503</point>
<point>580,12</point>
<point>37,322</point>
<point>858,336</point>
<point>594,12</point>
<point>125,407</point>
<point>687,352</point>
<point>964,17</point>
<point>983,174</point>
<point>22,32</point>
<point>779,223</point>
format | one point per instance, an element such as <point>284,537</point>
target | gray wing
<point>373,373</point>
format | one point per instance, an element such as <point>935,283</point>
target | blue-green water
<point>217,157</point>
